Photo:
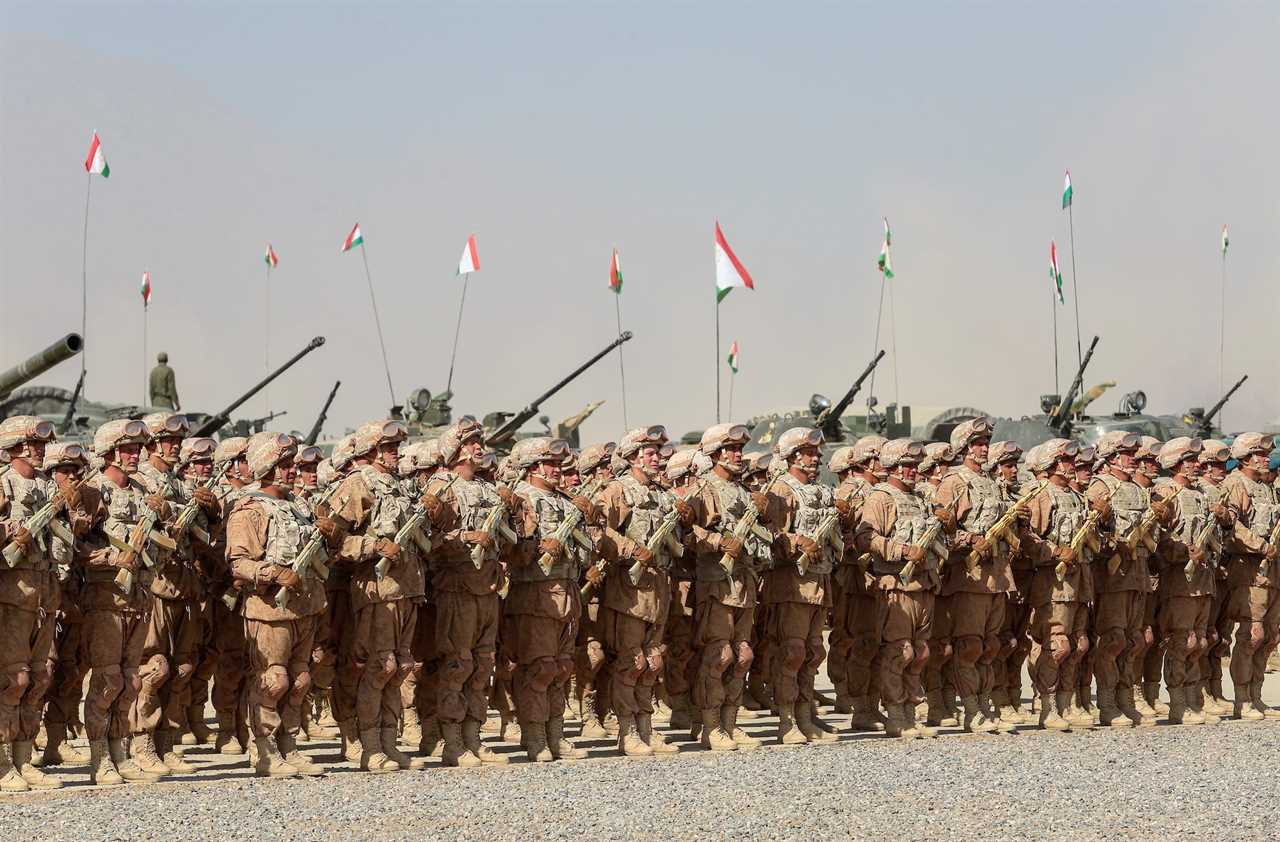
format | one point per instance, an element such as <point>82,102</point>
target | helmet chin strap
<point>736,470</point>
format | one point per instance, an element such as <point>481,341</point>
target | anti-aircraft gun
<point>828,418</point>
<point>505,424</point>
<point>37,364</point>
<point>1198,422</point>
<point>217,422</point>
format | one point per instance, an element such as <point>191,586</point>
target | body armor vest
<point>551,508</point>
<point>26,497</point>
<point>815,502</point>
<point>986,503</point>
<point>475,499</point>
<point>649,507</point>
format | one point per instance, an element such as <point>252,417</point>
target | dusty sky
<point>556,132</point>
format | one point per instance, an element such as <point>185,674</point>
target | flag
<point>470,260</point>
<point>1066,192</point>
<point>145,289</point>
<point>1225,242</point>
<point>730,272</point>
<point>355,238</point>
<point>272,259</point>
<point>95,163</point>
<point>886,260</point>
<point>1055,277</point>
<point>615,274</point>
<point>733,356</point>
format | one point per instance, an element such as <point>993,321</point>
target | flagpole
<point>622,372</point>
<point>1075,285</point>
<point>84,277</point>
<point>146,385</point>
<point>377,323</point>
<point>1222,330</point>
<point>733,378</point>
<point>456,331</point>
<point>871,391</point>
<point>717,355</point>
<point>1053,303</point>
<point>893,346</point>
<point>266,350</point>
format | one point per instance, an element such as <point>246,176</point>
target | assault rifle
<point>662,539</point>
<point>749,524</point>
<point>1001,532</point>
<point>826,534</point>
<point>495,526</point>
<point>41,520</point>
<point>412,532</point>
<point>1207,540</point>
<point>568,528</point>
<point>935,552</point>
<point>186,518</point>
<point>1086,537</point>
<point>1141,533</point>
<point>143,535</point>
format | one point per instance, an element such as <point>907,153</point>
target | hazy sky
<point>556,132</point>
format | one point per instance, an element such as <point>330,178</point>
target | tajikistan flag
<point>355,238</point>
<point>96,163</point>
<point>470,260</point>
<point>730,272</point>
<point>272,259</point>
<point>1066,191</point>
<point>1055,277</point>
<point>615,274</point>
<point>145,289</point>
<point>733,356</point>
<point>886,259</point>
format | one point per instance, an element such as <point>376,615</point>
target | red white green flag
<point>733,356</point>
<point>271,258</point>
<point>470,260</point>
<point>730,272</point>
<point>145,289</point>
<point>1055,277</point>
<point>1066,191</point>
<point>355,238</point>
<point>95,163</point>
<point>615,274</point>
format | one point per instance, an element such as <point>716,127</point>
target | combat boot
<point>1221,706</point>
<point>471,738</point>
<point>142,748</point>
<point>455,748</point>
<point>391,748</point>
<point>1242,708</point>
<point>592,727</point>
<point>653,739</point>
<point>269,763</point>
<point>1151,694</point>
<point>991,711</point>
<point>629,742</point>
<point>170,757</point>
<point>411,730</point>
<point>562,749</point>
<point>59,752</point>
<point>511,731</point>
<point>372,758</point>
<point>910,729</point>
<point>1109,713</point>
<point>10,779</point>
<point>36,779</point>
<point>1050,717</point>
<point>713,736</point>
<point>1077,717</point>
<point>226,741</point>
<point>864,718</point>
<point>661,711</point>
<point>1128,705</point>
<point>352,751</point>
<point>754,695</point>
<point>535,742</point>
<point>789,734</point>
<point>680,713</point>
<point>324,719</point>
<point>804,721</point>
<point>126,766</point>
<point>432,742</point>
<point>195,720</point>
<point>729,724</point>
<point>1255,697</point>
<point>974,721</point>
<point>1196,701</point>
<point>102,772</point>
<point>288,746</point>
<point>844,702</point>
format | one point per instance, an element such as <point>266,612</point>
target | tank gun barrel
<point>1207,424</point>
<point>831,415</point>
<point>515,422</point>
<point>216,422</point>
<point>324,413</point>
<point>1062,416</point>
<point>37,364</point>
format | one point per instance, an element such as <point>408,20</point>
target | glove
<point>432,505</point>
<point>125,564</point>
<point>947,518</point>
<point>1272,552</point>
<point>584,505</point>
<point>981,545</point>
<point>1222,513</point>
<point>20,537</point>
<point>913,553</point>
<point>70,494</point>
<point>508,496</point>
<point>157,504</point>
<point>1103,507</point>
<point>761,501</point>
<point>387,548</point>
<point>332,532</point>
<point>594,576</point>
<point>685,511</point>
<point>285,577</point>
<point>731,546</point>
<point>1196,554</point>
<point>1162,509</point>
<point>1064,555</point>
<point>845,510</point>
<point>808,546</point>
<point>1023,517</point>
<point>641,554</point>
<point>480,538</point>
<point>551,547</point>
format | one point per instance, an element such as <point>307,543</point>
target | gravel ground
<point>1195,783</point>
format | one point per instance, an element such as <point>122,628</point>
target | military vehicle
<point>427,416</point>
<point>76,418</point>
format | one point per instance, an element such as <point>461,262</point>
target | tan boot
<point>974,721</point>
<point>1151,695</point>
<point>562,749</point>
<point>1050,718</point>
<point>991,710</point>
<point>102,772</point>
<point>432,742</point>
<point>592,727</point>
<point>511,732</point>
<point>226,742</point>
<point>142,748</point>
<point>681,713</point>
<point>864,718</point>
<point>59,752</point>
<point>629,742</point>
<point>372,757</point>
<point>199,729</point>
<point>269,763</point>
<point>1128,704</point>
<point>804,721</point>
<point>789,733</point>
<point>1255,696</point>
<point>535,742</point>
<point>126,766</point>
<point>1077,717</point>
<point>391,748</point>
<point>35,778</point>
<point>910,729</point>
<point>352,751</point>
<point>1242,708</point>
<point>652,738</point>
<point>165,738</point>
<point>455,748</point>
<point>10,779</point>
<point>844,702</point>
<point>661,711</point>
<point>936,711</point>
<point>299,761</point>
<point>1196,701</point>
<point>714,737</point>
<point>1220,704</point>
<point>1109,713</point>
<point>411,727</point>
<point>729,724</point>
<point>471,738</point>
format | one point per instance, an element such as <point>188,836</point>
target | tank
<point>37,364</point>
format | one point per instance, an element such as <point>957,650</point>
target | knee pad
<point>41,680</point>
<point>655,663</point>
<point>1082,645</point>
<point>900,652</point>
<point>969,649</point>
<point>274,682</point>
<point>17,681</point>
<point>155,670</point>
<point>1257,636</point>
<point>990,649</point>
<point>745,655</point>
<point>1059,648</point>
<point>1112,642</point>
<point>301,686</point>
<point>184,673</point>
<point>793,652</point>
<point>595,655</point>
<point>720,656</point>
<point>919,652</point>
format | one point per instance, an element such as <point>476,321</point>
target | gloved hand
<point>70,494</point>
<point>594,576</point>
<point>585,506</point>
<point>1063,555</point>
<point>1223,514</point>
<point>1103,507</point>
<point>845,510</point>
<point>551,547</point>
<point>1023,517</point>
<point>981,545</point>
<point>808,546</point>
<point>641,554</point>
<point>331,530</point>
<point>731,546</point>
<point>508,496</point>
<point>946,517</point>
<point>480,538</point>
<point>20,537</point>
<point>761,501</point>
<point>157,504</point>
<point>913,553</point>
<point>433,506</point>
<point>1272,552</point>
<point>285,577</point>
<point>205,499</point>
<point>387,548</point>
<point>685,511</point>
<point>1163,510</point>
<point>1196,554</point>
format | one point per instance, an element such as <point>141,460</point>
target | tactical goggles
<point>555,451</point>
<point>737,434</point>
<point>1009,453</point>
<point>1129,441</point>
<point>666,451</point>
<point>979,427</point>
<point>1085,455</point>
<point>41,431</point>
<point>72,454</point>
<point>309,455</point>
<point>468,427</point>
<point>393,431</point>
<point>813,438</point>
<point>174,425</point>
<point>134,430</point>
<point>657,434</point>
<point>763,463</point>
<point>1222,455</point>
<point>200,449</point>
